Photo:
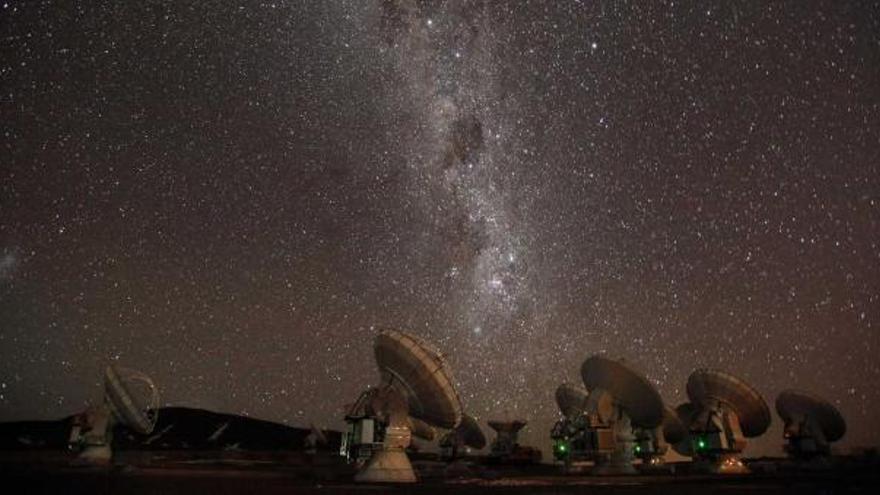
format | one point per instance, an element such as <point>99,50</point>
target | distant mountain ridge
<point>178,428</point>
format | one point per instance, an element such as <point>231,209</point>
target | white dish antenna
<point>631,392</point>
<point>723,412</point>
<point>636,404</point>
<point>418,372</point>
<point>130,399</point>
<point>811,424</point>
<point>416,394</point>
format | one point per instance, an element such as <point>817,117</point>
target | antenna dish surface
<point>571,399</point>
<point>420,373</point>
<point>628,387</point>
<point>674,430</point>
<point>686,413</point>
<point>792,405</point>
<point>705,387</point>
<point>471,433</point>
<point>136,414</point>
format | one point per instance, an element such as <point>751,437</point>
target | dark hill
<point>178,428</point>
<point>21,435</point>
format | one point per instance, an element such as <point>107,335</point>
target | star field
<point>234,197</point>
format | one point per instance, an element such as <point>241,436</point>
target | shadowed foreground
<point>232,478</point>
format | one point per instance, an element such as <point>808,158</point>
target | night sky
<point>234,198</point>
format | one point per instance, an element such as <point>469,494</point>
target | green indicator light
<point>701,444</point>
<point>638,448</point>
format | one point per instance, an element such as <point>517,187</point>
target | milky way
<point>234,198</point>
<point>457,157</point>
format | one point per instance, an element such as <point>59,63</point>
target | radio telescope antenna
<point>94,434</point>
<point>415,394</point>
<point>571,400</point>
<point>724,412</point>
<point>636,404</point>
<point>811,425</point>
<point>467,434</point>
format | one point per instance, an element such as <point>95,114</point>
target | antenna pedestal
<point>96,454</point>
<point>807,444</point>
<point>390,464</point>
<point>620,461</point>
<point>651,447</point>
<point>721,464</point>
<point>719,442</point>
<point>95,442</point>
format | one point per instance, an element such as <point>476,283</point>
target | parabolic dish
<point>673,429</point>
<point>686,413</point>
<point>470,432</point>
<point>792,405</point>
<point>628,387</point>
<point>420,373</point>
<point>140,416</point>
<point>706,386</point>
<point>571,399</point>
